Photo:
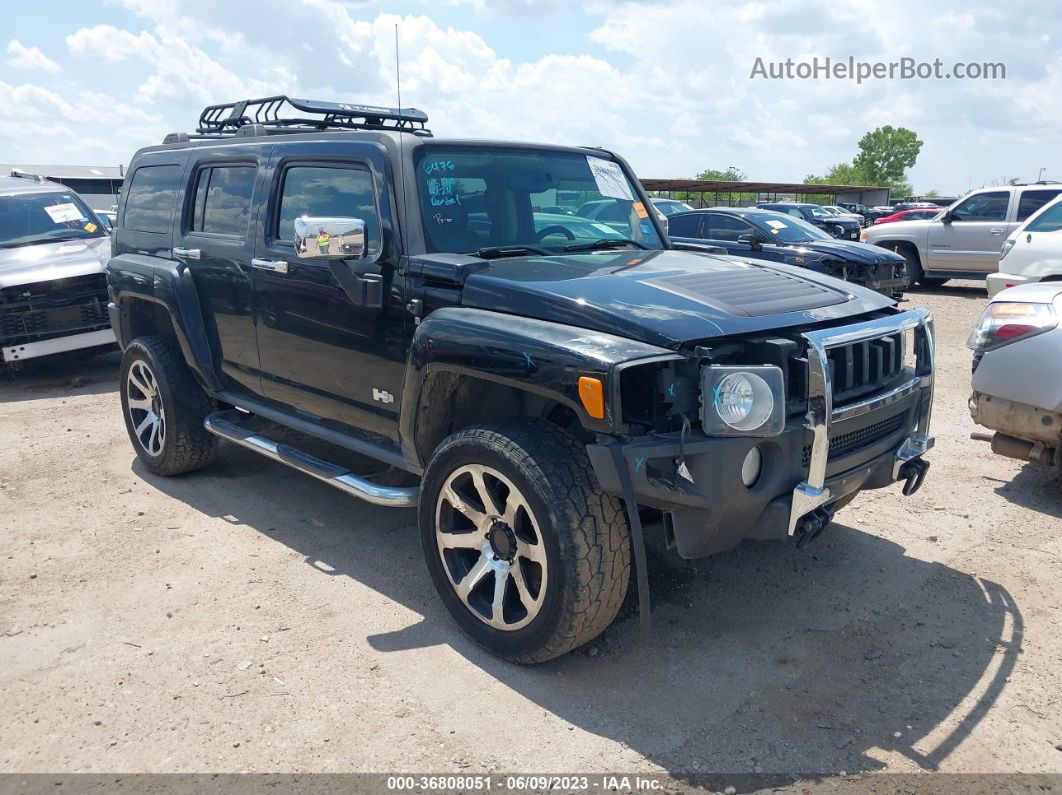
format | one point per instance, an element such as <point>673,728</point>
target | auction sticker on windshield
<point>776,224</point>
<point>62,213</point>
<point>609,178</point>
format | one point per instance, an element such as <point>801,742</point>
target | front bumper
<point>72,342</point>
<point>825,457</point>
<point>886,278</point>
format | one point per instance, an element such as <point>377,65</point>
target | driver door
<point>972,239</point>
<point>322,351</point>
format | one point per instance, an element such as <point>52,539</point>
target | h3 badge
<point>382,395</point>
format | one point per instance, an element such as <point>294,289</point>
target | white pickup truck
<point>963,241</point>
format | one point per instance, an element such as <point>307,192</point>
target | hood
<point>909,229</point>
<point>46,262</point>
<point>664,298</point>
<point>848,251</point>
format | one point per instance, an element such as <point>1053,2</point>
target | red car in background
<point>913,214</point>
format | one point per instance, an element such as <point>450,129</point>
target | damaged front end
<point>850,409</point>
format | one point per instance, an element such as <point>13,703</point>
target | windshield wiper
<point>515,250</point>
<point>604,242</point>
<point>38,241</point>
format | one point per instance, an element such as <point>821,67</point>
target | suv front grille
<point>846,443</point>
<point>863,368</point>
<point>34,312</point>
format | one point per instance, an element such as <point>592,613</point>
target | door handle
<point>185,253</point>
<point>275,265</point>
<point>995,231</point>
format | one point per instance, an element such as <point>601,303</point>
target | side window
<point>321,191</point>
<point>1032,200</point>
<point>991,206</point>
<point>223,200</point>
<point>619,212</point>
<point>684,225</point>
<point>726,227</point>
<point>1049,221</point>
<point>795,212</point>
<point>150,199</point>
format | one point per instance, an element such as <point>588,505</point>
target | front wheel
<point>529,556</point>
<point>164,408</point>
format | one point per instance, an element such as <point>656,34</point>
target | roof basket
<point>284,114</point>
<point>16,173</point>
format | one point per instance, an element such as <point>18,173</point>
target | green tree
<point>886,153</point>
<point>731,174</point>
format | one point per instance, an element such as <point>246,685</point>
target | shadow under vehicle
<point>764,658</point>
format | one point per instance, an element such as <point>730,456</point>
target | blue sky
<point>666,84</point>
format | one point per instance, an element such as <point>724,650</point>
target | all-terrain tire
<point>186,444</point>
<point>584,530</point>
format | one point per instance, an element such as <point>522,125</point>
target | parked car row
<point>964,240</point>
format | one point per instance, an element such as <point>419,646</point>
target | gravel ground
<point>248,618</point>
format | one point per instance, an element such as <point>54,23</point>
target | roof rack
<point>26,175</point>
<point>281,113</point>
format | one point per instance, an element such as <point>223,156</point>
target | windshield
<point>30,218</point>
<point>818,212</point>
<point>671,207</point>
<point>483,197</point>
<point>787,229</point>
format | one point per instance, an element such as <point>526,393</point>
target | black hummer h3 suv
<point>547,384</point>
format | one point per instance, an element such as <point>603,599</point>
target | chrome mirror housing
<point>329,238</point>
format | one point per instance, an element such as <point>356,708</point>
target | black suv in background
<point>765,235</point>
<point>539,389</point>
<point>843,228</point>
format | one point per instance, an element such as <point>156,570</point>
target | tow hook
<point>914,473</point>
<point>809,527</point>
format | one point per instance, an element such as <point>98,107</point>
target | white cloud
<point>40,126</point>
<point>30,58</point>
<point>183,72</point>
<point>664,83</point>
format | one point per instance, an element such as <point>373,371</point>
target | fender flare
<point>536,356</point>
<point>169,284</point>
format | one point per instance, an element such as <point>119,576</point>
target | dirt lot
<point>248,618</point>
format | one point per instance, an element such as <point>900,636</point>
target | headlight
<point>839,229</point>
<point>742,401</point>
<point>1007,246</point>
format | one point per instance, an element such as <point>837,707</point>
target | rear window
<point>150,198</point>
<point>684,225</point>
<point>223,200</point>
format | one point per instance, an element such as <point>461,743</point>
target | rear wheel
<point>164,408</point>
<point>529,556</point>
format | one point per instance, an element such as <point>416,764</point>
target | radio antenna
<point>401,192</point>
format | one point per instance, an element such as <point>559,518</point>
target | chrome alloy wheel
<point>491,547</point>
<point>146,414</point>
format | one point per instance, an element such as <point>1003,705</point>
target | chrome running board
<point>226,425</point>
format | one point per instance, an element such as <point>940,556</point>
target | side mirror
<point>947,218</point>
<point>750,240</point>
<point>329,238</point>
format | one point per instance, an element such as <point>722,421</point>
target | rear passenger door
<point>323,352</point>
<point>216,240</point>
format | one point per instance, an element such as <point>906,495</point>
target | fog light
<point>750,467</point>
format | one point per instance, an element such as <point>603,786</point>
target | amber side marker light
<point>592,393</point>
